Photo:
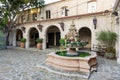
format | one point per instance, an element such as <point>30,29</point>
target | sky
<point>50,1</point>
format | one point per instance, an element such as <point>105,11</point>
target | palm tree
<point>108,38</point>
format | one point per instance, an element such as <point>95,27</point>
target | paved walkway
<point>16,64</point>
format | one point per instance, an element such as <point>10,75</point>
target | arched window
<point>92,6</point>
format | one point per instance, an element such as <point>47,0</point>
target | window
<point>28,17</point>
<point>34,16</point>
<point>64,11</point>
<point>48,14</point>
<point>92,6</point>
<point>22,19</point>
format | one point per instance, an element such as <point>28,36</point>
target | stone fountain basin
<point>81,64</point>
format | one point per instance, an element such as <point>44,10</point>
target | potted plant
<point>39,43</point>
<point>22,42</point>
<point>109,39</point>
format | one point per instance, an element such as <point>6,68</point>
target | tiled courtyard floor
<point>16,64</point>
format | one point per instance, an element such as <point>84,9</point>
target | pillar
<point>118,59</point>
<point>44,41</point>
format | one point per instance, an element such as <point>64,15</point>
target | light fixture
<point>23,29</point>
<point>62,25</point>
<point>40,27</point>
<point>95,22</point>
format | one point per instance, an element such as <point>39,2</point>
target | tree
<point>11,10</point>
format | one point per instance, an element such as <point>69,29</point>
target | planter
<point>110,55</point>
<point>22,45</point>
<point>39,46</point>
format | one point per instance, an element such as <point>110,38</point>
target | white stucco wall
<point>75,7</point>
<point>104,21</point>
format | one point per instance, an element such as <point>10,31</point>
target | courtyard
<point>21,64</point>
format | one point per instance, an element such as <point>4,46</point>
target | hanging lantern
<point>40,27</point>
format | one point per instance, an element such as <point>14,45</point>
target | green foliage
<point>102,37</point>
<point>1,34</point>
<point>11,9</point>
<point>111,52</point>
<point>39,40</point>
<point>83,54</point>
<point>62,41</point>
<point>3,21</point>
<point>111,49</point>
<point>23,40</point>
<point>61,53</point>
<point>110,55</point>
<point>108,38</point>
<point>15,4</point>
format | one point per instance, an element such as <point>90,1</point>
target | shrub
<point>108,38</point>
<point>23,40</point>
<point>39,40</point>
<point>62,41</point>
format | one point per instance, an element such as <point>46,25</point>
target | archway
<point>19,35</point>
<point>33,35</point>
<point>53,37</point>
<point>85,35</point>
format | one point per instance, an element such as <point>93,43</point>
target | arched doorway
<point>19,35</point>
<point>85,35</point>
<point>34,34</point>
<point>53,37</point>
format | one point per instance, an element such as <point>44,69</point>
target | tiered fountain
<point>76,63</point>
<point>73,42</point>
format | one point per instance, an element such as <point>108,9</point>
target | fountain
<point>73,42</point>
<point>72,61</point>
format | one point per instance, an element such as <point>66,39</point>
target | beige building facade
<point>53,21</point>
<point>116,12</point>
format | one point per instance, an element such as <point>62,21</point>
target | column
<point>26,35</point>
<point>118,59</point>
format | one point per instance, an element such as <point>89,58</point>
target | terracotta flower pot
<point>22,45</point>
<point>39,46</point>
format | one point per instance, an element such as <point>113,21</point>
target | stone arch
<point>86,35</point>
<point>53,36</point>
<point>33,35</point>
<point>19,35</point>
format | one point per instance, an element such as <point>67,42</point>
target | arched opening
<point>53,37</point>
<point>19,35</point>
<point>34,34</point>
<point>85,35</point>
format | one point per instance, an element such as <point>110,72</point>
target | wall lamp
<point>40,27</point>
<point>62,25</point>
<point>23,29</point>
<point>95,22</point>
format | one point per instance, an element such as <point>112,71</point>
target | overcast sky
<point>50,1</point>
